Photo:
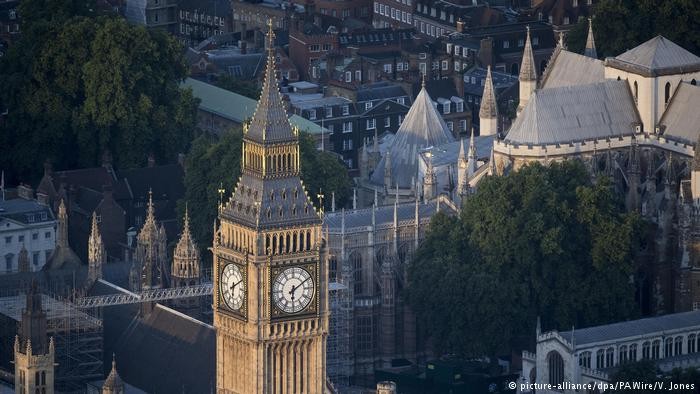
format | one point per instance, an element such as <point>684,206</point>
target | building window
<point>678,346</point>
<point>609,357</point>
<point>584,359</point>
<point>387,68</point>
<point>8,239</point>
<point>633,352</point>
<point>463,125</point>
<point>555,366</point>
<point>566,20</point>
<point>376,7</point>
<point>667,92</point>
<point>387,122</point>
<point>347,144</point>
<point>348,76</point>
<point>451,126</point>
<point>422,55</point>
<point>506,44</point>
<point>600,359</point>
<point>35,258</point>
<point>656,349</point>
<point>371,124</point>
<point>346,109</point>
<point>329,112</point>
<point>347,127</point>
<point>315,48</point>
<point>358,75</point>
<point>535,41</point>
<point>446,108</point>
<point>312,114</point>
<point>622,354</point>
<point>521,42</point>
<point>326,47</point>
<point>422,68</point>
<point>646,354</point>
<point>20,238</point>
<point>668,348</point>
<point>47,235</point>
<point>691,343</point>
<point>8,262</point>
<point>460,106</point>
<point>368,105</point>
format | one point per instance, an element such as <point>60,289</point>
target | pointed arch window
<point>636,92</point>
<point>667,92</point>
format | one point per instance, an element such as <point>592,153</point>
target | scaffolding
<point>77,336</point>
<point>339,353</point>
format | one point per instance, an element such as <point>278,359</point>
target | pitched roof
<point>576,113</point>
<point>379,91</point>
<point>383,215</point>
<point>681,121</point>
<point>528,71</point>
<point>633,328</point>
<point>571,69</point>
<point>658,56</point>
<point>422,127</point>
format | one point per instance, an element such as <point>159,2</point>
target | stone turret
<point>528,74</point>
<point>34,351</point>
<point>63,257</point>
<point>590,42</point>
<point>488,113</point>
<point>150,250</point>
<point>462,171</point>
<point>185,270</point>
<point>430,182</point>
<point>114,383</point>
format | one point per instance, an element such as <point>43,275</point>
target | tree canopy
<point>542,241</point>
<point>213,163</point>
<point>620,25</point>
<point>76,85</point>
<point>645,371</point>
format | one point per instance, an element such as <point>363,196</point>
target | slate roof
<point>379,91</point>
<point>447,154</point>
<point>422,127</point>
<point>658,56</point>
<point>650,325</point>
<point>576,113</point>
<point>681,121</point>
<point>163,352</point>
<point>21,210</point>
<point>236,107</point>
<point>571,69</point>
<point>383,215</point>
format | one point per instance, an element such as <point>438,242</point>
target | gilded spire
<point>270,121</point>
<point>113,384</point>
<point>489,109</point>
<point>186,255</point>
<point>96,251</point>
<point>62,236</point>
<point>528,71</point>
<point>150,211</point>
<point>561,43</point>
<point>590,42</point>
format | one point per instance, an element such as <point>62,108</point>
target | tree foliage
<point>645,371</point>
<point>542,241</point>
<point>213,163</point>
<point>620,25</point>
<point>76,85</point>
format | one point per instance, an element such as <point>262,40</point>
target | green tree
<point>75,86</point>
<point>246,88</point>
<point>620,25</point>
<point>542,241</point>
<point>214,163</point>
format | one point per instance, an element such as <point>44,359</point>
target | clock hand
<point>236,284</point>
<point>294,288</point>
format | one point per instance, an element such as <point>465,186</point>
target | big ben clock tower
<point>270,268</point>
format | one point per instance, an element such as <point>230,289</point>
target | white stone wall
<point>19,234</point>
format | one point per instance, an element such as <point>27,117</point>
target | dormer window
<point>312,114</point>
<point>368,105</point>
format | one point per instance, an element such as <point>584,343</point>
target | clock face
<point>293,290</point>
<point>232,286</point>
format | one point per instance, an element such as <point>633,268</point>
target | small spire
<point>472,160</point>
<point>332,201</point>
<point>561,40</point>
<point>590,50</point>
<point>489,109</point>
<point>528,72</point>
<point>492,163</point>
<point>422,84</point>
<point>150,211</point>
<point>62,237</point>
<point>354,198</point>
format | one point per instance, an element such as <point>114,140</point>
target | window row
<point>651,350</point>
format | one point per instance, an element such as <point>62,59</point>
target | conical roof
<point>528,72</point>
<point>270,121</point>
<point>489,109</point>
<point>590,42</point>
<point>422,127</point>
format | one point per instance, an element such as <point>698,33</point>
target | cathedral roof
<point>658,56</point>
<point>383,215</point>
<point>634,328</point>
<point>681,121</point>
<point>570,69</point>
<point>422,127</point>
<point>576,113</point>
